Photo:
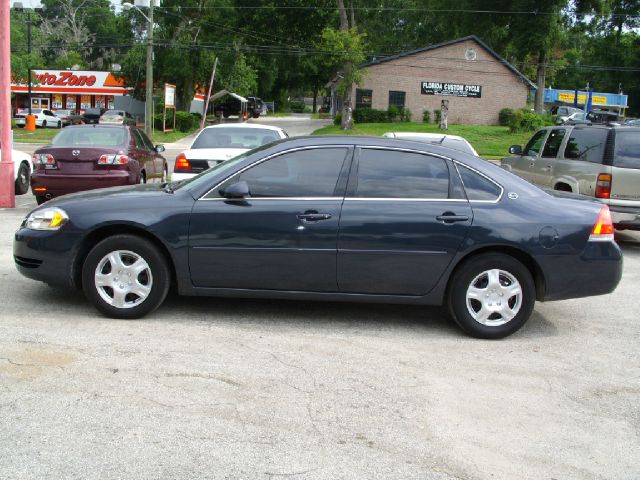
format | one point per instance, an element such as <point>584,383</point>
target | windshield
<point>627,153</point>
<point>92,136</point>
<point>92,111</point>
<point>234,137</point>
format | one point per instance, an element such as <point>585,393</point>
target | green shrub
<point>426,116</point>
<point>297,106</point>
<point>525,121</point>
<point>505,117</point>
<point>437,116</point>
<point>405,115</point>
<point>337,120</point>
<point>369,115</point>
<point>393,113</point>
<point>185,121</point>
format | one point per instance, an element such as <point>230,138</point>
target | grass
<point>44,135</point>
<point>40,135</point>
<point>170,137</point>
<point>490,141</point>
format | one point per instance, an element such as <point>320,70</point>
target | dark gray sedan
<point>330,218</point>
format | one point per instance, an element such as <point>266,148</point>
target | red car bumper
<point>55,185</point>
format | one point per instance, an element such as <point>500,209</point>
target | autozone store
<point>75,90</point>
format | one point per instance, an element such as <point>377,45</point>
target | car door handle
<point>450,217</point>
<point>313,216</point>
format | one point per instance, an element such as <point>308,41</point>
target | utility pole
<point>206,103</point>
<point>29,56</point>
<point>148,114</point>
<point>7,186</point>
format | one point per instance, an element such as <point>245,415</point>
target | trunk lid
<point>76,160</point>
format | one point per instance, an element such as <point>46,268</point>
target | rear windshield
<point>234,138</point>
<point>113,113</point>
<point>92,136</point>
<point>92,111</point>
<point>627,152</point>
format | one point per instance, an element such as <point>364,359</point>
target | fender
<point>572,182</point>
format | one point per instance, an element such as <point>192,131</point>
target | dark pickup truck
<point>233,106</point>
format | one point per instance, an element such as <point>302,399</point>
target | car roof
<point>244,125</point>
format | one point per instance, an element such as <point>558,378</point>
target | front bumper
<point>57,184</point>
<point>596,272</point>
<point>45,256</point>
<point>625,217</point>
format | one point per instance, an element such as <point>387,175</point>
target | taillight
<point>603,228</point>
<point>113,159</point>
<point>182,164</point>
<point>45,159</point>
<point>603,185</point>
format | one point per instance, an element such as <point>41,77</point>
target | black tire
<point>256,115</point>
<point>22,181</point>
<point>158,281</point>
<point>59,124</point>
<point>143,178</point>
<point>44,124</point>
<point>462,281</point>
<point>40,199</point>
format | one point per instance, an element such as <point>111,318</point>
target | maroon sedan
<point>85,157</point>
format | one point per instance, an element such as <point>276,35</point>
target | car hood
<point>213,153</point>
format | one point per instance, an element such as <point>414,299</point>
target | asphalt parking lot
<point>215,388</point>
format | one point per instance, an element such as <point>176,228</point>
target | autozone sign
<point>81,82</point>
<point>66,79</point>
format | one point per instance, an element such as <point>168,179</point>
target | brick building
<point>476,80</point>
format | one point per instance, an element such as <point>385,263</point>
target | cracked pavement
<point>237,389</point>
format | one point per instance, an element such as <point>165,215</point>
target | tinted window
<point>393,174</point>
<point>147,143</point>
<point>477,186</point>
<point>234,137</point>
<point>627,152</point>
<point>364,98</point>
<point>396,99</point>
<point>554,141</point>
<point>305,173</point>
<point>586,144</point>
<point>535,144</point>
<point>98,136</point>
<point>138,138</point>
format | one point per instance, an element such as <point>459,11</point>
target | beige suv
<point>598,161</point>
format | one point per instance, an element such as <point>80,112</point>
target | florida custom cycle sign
<point>451,89</point>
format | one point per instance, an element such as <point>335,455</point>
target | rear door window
<point>552,147</point>
<point>138,138</point>
<point>586,144</point>
<point>479,188</point>
<point>627,151</point>
<point>394,174</point>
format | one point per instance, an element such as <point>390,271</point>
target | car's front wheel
<point>125,276</point>
<point>491,295</point>
<point>44,124</point>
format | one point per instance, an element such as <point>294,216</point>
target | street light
<point>148,110</point>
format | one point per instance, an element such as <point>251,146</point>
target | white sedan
<point>454,142</point>
<point>218,143</point>
<point>44,118</point>
<point>21,170</point>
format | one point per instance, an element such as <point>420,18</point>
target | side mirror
<point>515,150</point>
<point>236,190</point>
<point>159,148</point>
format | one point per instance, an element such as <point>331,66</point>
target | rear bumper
<point>596,272</point>
<point>57,185</point>
<point>625,217</point>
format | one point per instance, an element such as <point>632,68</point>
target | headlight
<point>46,219</point>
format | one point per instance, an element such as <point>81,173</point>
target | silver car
<point>598,161</point>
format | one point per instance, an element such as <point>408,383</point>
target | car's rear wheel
<point>125,276</point>
<point>40,199</point>
<point>491,295</point>
<point>22,180</point>
<point>44,124</point>
<point>59,124</point>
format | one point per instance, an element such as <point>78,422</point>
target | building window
<point>363,98</point>
<point>396,99</point>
